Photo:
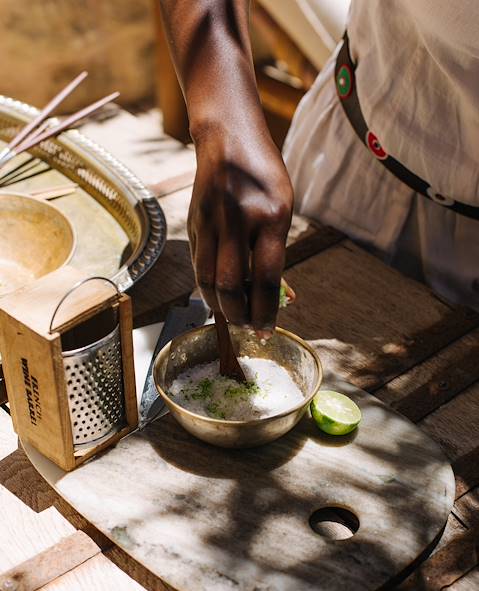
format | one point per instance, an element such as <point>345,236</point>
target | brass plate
<point>119,225</point>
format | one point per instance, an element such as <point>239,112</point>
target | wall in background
<point>46,43</point>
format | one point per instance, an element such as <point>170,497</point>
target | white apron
<point>417,79</point>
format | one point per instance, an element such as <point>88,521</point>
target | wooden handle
<point>229,365</point>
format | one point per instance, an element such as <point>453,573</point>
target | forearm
<point>209,42</point>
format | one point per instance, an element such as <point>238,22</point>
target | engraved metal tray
<point>119,225</point>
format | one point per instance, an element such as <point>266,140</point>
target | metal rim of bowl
<point>281,331</point>
<point>50,206</point>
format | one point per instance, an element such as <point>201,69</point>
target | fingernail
<point>264,335</point>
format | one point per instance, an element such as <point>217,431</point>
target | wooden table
<point>371,326</point>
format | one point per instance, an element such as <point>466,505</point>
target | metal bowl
<point>200,346</point>
<point>36,238</point>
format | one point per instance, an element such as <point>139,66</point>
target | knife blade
<point>179,320</point>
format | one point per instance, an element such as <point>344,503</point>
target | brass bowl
<point>36,238</point>
<point>200,346</point>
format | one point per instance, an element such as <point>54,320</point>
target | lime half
<point>335,413</point>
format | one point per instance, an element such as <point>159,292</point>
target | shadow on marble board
<point>177,447</point>
<point>262,477</point>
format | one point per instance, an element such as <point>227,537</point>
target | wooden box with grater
<point>67,355</point>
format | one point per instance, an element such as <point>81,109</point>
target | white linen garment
<point>417,80</point>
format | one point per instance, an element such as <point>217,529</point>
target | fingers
<point>204,263</point>
<point>267,267</point>
<point>232,268</point>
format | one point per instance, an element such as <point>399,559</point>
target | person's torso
<point>418,85</point>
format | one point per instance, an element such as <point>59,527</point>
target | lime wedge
<point>335,413</point>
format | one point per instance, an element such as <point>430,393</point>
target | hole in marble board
<point>334,523</point>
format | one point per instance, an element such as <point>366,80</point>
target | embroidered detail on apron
<point>346,90</point>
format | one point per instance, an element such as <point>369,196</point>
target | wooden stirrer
<point>229,365</point>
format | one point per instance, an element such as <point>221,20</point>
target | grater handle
<point>74,288</point>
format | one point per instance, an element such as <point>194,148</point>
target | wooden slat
<point>446,566</point>
<point>466,469</point>
<point>46,566</point>
<point>32,518</point>
<point>27,532</point>
<point>455,426</point>
<point>169,282</point>
<point>467,508</point>
<point>314,240</point>
<point>453,530</point>
<point>173,184</point>
<point>437,380</point>
<point>171,101</point>
<point>96,574</point>
<point>368,323</point>
<point>18,476</point>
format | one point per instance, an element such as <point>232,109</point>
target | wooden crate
<point>32,358</point>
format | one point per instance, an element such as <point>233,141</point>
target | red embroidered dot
<point>375,146</point>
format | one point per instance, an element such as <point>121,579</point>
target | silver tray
<point>120,227</point>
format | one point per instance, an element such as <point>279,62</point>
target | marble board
<point>206,519</point>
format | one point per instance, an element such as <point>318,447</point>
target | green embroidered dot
<point>344,82</point>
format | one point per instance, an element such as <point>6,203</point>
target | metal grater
<point>95,389</point>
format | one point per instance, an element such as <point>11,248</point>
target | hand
<point>238,221</point>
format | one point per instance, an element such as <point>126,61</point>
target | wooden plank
<point>168,283</point>
<point>32,518</point>
<point>27,487</point>
<point>368,323</point>
<point>44,567</point>
<point>435,381</point>
<point>171,101</point>
<point>173,184</point>
<point>466,469</point>
<point>456,424</point>
<point>96,574</point>
<point>307,238</point>
<point>467,508</point>
<point>126,330</point>
<point>453,530</point>
<point>447,565</point>
<point>17,524</point>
